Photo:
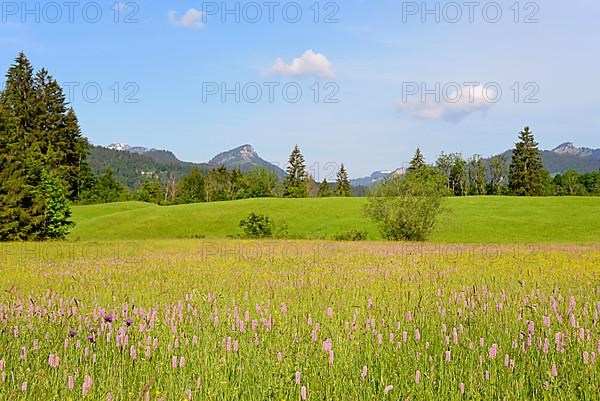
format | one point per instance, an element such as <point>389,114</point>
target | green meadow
<point>568,220</point>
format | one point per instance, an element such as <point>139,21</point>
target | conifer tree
<point>59,136</point>
<point>526,172</point>
<point>324,190</point>
<point>56,223</point>
<point>417,162</point>
<point>75,170</point>
<point>295,183</point>
<point>342,183</point>
<point>43,156</point>
<point>21,205</point>
<point>18,97</point>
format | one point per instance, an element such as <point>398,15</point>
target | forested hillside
<point>133,169</point>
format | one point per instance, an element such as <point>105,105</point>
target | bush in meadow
<point>257,226</point>
<point>352,235</point>
<point>406,207</point>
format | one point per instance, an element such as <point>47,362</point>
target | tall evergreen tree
<point>295,182</point>
<point>324,190</point>
<point>59,136</point>
<point>343,183</point>
<point>42,147</point>
<point>526,172</point>
<point>74,169</point>
<point>417,162</point>
<point>21,204</point>
<point>56,223</point>
<point>19,100</point>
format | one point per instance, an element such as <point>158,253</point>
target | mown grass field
<point>230,320</point>
<point>469,220</point>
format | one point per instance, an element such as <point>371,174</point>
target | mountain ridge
<point>134,164</point>
<point>562,158</point>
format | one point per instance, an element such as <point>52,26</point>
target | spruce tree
<point>526,172</point>
<point>18,98</point>
<point>43,156</point>
<point>324,190</point>
<point>56,223</point>
<point>295,182</point>
<point>59,136</point>
<point>21,206</point>
<point>342,183</point>
<point>75,170</point>
<point>417,162</point>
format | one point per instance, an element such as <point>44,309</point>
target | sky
<point>358,82</point>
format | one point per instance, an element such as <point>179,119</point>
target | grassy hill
<point>469,220</point>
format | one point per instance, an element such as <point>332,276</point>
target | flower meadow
<point>354,322</point>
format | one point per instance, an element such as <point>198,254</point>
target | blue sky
<point>170,53</point>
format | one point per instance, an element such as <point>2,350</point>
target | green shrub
<point>257,226</point>
<point>352,235</point>
<point>405,208</point>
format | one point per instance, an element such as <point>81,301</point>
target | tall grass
<point>288,321</point>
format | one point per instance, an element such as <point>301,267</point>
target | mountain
<point>134,168</point>
<point>557,161</point>
<point>134,164</point>
<point>246,158</point>
<point>568,148</point>
<point>375,178</point>
<point>567,157</point>
<point>123,147</point>
<point>160,156</point>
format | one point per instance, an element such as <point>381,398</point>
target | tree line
<point>524,175</point>
<point>220,184</point>
<point>407,207</point>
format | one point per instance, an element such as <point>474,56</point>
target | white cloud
<point>192,19</point>
<point>309,64</point>
<point>453,105</point>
